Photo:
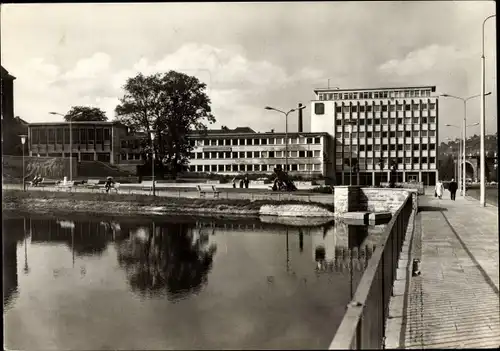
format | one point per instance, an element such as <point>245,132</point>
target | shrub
<point>322,190</point>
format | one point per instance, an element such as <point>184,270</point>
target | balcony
<point>408,166</point>
<point>425,140</point>
<point>377,128</point>
<point>401,127</point>
<point>425,153</point>
<point>393,153</point>
<point>385,141</point>
<point>416,153</point>
<point>425,126</point>
<point>433,153</point>
<point>424,166</point>
<point>416,140</point>
<point>408,153</point>
<point>401,153</point>
<point>385,127</point>
<point>393,141</point>
<point>407,140</point>
<point>369,141</point>
<point>433,166</point>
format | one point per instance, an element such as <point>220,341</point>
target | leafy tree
<point>447,167</point>
<point>85,113</point>
<point>171,105</point>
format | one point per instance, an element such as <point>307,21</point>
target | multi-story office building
<point>223,151</point>
<point>379,127</point>
<point>242,150</point>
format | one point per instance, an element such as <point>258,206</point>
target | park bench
<point>93,184</point>
<point>43,183</point>
<point>203,191</point>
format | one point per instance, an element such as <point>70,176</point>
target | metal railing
<point>363,325</point>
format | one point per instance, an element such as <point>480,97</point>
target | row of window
<point>392,134</point>
<point>386,121</point>
<point>254,154</point>
<point>80,136</point>
<point>398,160</point>
<point>391,147</point>
<point>319,108</point>
<point>383,94</point>
<point>253,141</point>
<point>252,168</point>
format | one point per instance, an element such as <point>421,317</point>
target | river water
<point>76,283</point>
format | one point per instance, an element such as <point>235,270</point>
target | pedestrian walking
<point>246,181</point>
<point>241,183</point>
<point>452,187</point>
<point>439,189</point>
<point>234,183</point>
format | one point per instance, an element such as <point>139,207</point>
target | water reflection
<point>167,258</point>
<point>15,235</point>
<point>178,283</point>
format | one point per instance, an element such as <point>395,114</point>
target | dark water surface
<point>176,283</point>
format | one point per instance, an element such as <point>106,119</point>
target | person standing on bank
<point>439,189</point>
<point>453,187</point>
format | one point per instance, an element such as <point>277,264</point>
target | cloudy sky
<point>249,54</point>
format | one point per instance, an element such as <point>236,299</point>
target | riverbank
<point>134,204</point>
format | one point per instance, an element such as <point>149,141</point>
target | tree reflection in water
<point>167,259</point>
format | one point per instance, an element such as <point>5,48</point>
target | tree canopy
<point>171,105</point>
<point>86,113</point>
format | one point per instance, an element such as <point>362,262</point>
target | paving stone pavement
<point>454,303</point>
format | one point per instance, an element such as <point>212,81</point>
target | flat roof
<point>256,134</point>
<point>39,124</point>
<point>432,87</point>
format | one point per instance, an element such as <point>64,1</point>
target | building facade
<point>242,150</point>
<point>91,141</point>
<point>376,128</point>
<point>223,151</point>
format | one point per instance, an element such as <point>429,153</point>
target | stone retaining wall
<point>355,198</point>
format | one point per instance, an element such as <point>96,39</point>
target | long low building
<point>242,150</point>
<point>223,151</point>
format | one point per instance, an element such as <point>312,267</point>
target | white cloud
<point>232,79</point>
<point>423,60</point>
<point>90,68</point>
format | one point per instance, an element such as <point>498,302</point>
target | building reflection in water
<point>167,259</point>
<point>16,235</point>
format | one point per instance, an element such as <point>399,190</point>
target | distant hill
<point>472,146</point>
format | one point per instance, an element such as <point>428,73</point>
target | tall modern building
<point>377,128</point>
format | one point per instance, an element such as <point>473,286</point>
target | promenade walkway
<point>454,303</point>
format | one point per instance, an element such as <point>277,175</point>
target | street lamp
<point>152,134</point>
<point>70,140</point>
<point>482,166</point>
<point>23,140</point>
<point>286,128</point>
<point>464,132</point>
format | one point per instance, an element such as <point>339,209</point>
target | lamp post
<point>482,166</point>
<point>462,152</point>
<point>286,128</point>
<point>464,132</point>
<point>70,140</point>
<point>152,133</point>
<point>23,140</point>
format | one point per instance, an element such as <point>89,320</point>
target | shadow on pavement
<point>431,209</point>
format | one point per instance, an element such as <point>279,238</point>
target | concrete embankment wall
<point>46,201</point>
<point>355,198</point>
